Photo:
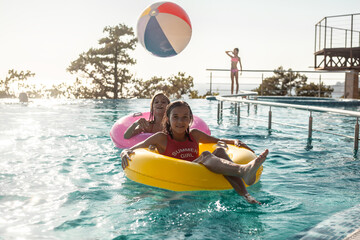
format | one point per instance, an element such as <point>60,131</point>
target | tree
<point>289,80</point>
<point>285,82</point>
<point>146,89</point>
<point>282,83</point>
<point>174,86</point>
<point>180,85</point>
<point>270,86</point>
<point>104,66</point>
<point>15,82</point>
<point>312,89</point>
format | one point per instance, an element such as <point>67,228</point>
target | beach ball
<point>164,29</point>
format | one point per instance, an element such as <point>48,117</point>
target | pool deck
<point>343,225</point>
<point>314,101</point>
<point>354,235</point>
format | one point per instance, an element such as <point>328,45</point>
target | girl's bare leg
<point>240,188</point>
<point>237,82</point>
<point>225,167</point>
<point>250,169</point>
<point>236,182</point>
<point>232,82</point>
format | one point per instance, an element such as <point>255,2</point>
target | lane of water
<point>61,177</point>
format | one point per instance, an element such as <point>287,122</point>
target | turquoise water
<point>61,177</point>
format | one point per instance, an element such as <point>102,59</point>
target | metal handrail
<point>335,16</point>
<point>274,70</point>
<point>295,106</point>
<point>345,29</point>
<point>321,79</point>
<point>319,34</point>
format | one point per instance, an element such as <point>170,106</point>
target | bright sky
<point>45,36</point>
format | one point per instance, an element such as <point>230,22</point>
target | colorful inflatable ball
<point>164,29</point>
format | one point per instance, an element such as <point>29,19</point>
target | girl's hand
<point>152,148</point>
<point>125,157</point>
<point>222,144</point>
<point>239,143</point>
<point>143,124</point>
<point>251,199</point>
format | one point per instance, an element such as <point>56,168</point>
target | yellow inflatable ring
<point>153,169</point>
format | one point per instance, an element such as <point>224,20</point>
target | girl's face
<point>180,119</point>
<point>235,51</point>
<point>159,105</point>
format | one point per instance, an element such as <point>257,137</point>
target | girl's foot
<point>250,169</point>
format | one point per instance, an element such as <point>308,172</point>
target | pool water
<point>61,177</point>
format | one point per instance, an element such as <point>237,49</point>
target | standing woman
<point>235,59</point>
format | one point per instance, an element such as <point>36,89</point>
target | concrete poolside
<point>344,225</point>
<point>354,235</point>
<point>315,101</point>
<point>311,101</point>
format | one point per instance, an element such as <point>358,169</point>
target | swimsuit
<point>187,150</point>
<point>234,59</point>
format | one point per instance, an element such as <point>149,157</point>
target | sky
<point>44,36</point>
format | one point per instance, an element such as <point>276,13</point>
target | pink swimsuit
<point>234,59</point>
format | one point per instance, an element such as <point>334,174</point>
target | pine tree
<point>15,82</point>
<point>103,69</point>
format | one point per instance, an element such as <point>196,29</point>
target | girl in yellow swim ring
<point>178,141</point>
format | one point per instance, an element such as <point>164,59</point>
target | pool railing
<point>253,79</point>
<point>310,109</point>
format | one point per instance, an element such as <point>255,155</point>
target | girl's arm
<point>158,139</point>
<point>240,66</point>
<point>139,126</point>
<point>204,138</point>
<point>227,52</point>
<point>133,130</point>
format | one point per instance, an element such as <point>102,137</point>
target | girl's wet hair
<point>151,116</point>
<point>166,119</point>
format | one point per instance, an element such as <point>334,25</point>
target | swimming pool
<point>61,178</point>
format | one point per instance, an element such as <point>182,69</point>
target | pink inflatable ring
<point>120,126</point>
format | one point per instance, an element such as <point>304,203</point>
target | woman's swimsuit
<point>235,60</point>
<point>187,150</point>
